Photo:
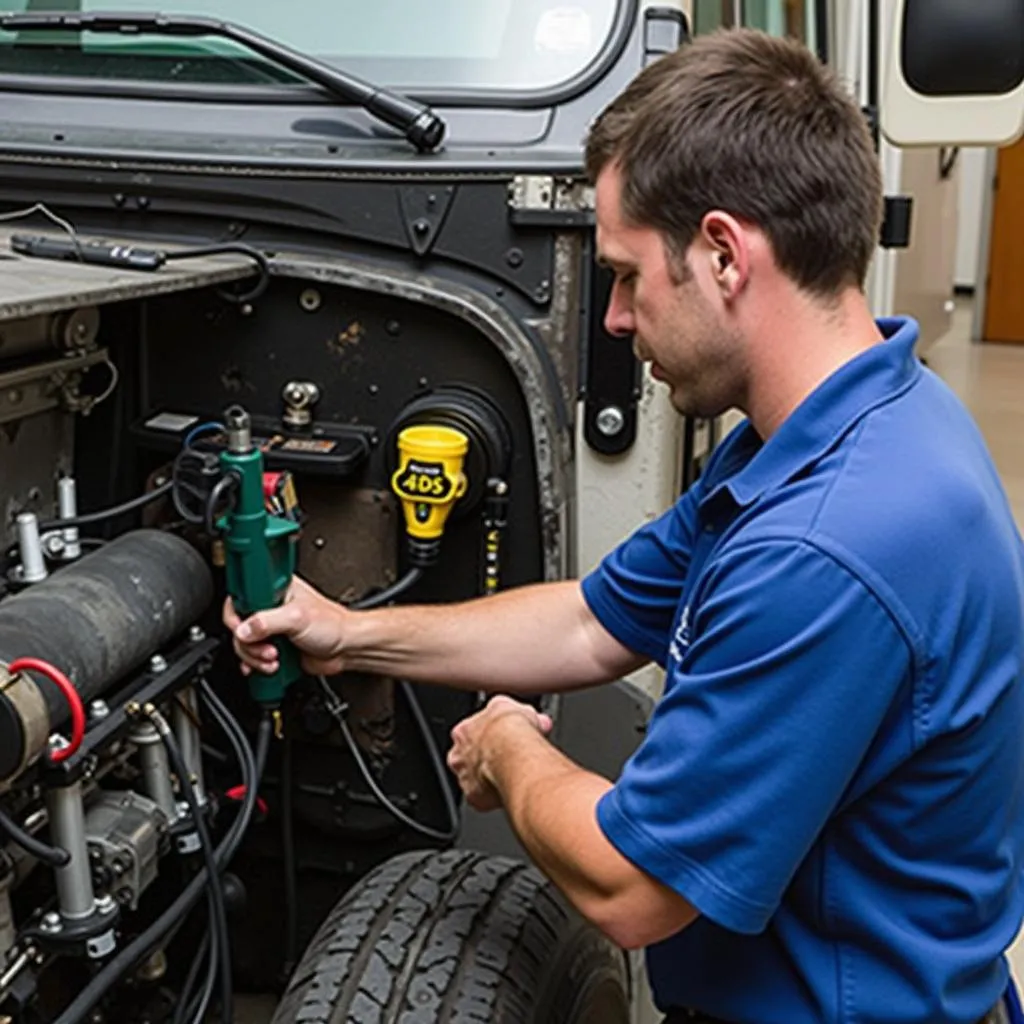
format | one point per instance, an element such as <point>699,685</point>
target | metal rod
<point>156,771</point>
<point>30,548</point>
<point>186,714</point>
<point>67,504</point>
<point>67,829</point>
<point>8,933</point>
<point>13,971</point>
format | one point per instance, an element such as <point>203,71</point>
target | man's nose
<point>618,318</point>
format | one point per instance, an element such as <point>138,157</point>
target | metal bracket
<point>424,208</point>
<point>896,222</point>
<point>35,389</point>
<point>612,378</point>
<point>182,664</point>
<point>665,30</point>
<point>541,200</point>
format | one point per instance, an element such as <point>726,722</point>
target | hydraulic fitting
<point>429,481</point>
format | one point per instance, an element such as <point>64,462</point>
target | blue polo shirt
<point>834,777</point>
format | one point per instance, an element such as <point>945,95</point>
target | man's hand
<point>314,623</point>
<point>468,755</point>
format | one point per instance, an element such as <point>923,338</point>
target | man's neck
<point>796,343</point>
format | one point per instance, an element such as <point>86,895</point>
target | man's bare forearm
<point>529,640</point>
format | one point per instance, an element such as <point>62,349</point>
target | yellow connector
<point>429,479</point>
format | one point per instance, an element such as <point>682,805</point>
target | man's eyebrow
<point>610,263</point>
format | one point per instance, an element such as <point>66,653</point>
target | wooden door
<point>1004,305</point>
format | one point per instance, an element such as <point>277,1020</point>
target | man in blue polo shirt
<point>825,821</point>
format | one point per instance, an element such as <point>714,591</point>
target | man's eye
<point>626,277</point>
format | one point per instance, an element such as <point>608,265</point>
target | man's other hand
<point>468,756</point>
<point>314,623</point>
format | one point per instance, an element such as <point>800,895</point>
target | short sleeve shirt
<point>834,776</point>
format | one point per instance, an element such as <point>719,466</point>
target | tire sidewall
<point>588,968</point>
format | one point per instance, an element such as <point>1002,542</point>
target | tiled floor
<point>990,380</point>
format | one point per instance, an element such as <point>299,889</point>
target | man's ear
<point>728,249</point>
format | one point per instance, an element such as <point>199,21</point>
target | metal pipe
<point>156,771</point>
<point>8,933</point>
<point>67,505</point>
<point>67,829</point>
<point>185,715</point>
<point>30,548</point>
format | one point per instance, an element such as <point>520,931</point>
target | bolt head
<point>54,544</point>
<point>57,743</point>
<point>611,420</point>
<point>51,922</point>
<point>158,663</point>
<point>195,634</point>
<point>98,710</point>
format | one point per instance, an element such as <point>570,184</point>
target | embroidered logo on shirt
<point>681,638</point>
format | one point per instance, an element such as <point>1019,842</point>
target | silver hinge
<point>542,199</point>
<point>35,389</point>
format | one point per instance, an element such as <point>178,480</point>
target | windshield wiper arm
<point>421,126</point>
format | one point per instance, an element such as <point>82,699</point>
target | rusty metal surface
<point>350,543</point>
<point>30,286</point>
<point>33,453</point>
<point>538,377</point>
<point>349,547</point>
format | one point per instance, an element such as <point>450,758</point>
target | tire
<point>456,938</point>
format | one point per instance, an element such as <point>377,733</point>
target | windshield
<point>429,46</point>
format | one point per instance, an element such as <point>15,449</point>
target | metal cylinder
<point>67,505</point>
<point>102,617</point>
<point>30,549</point>
<point>67,829</point>
<point>239,428</point>
<point>8,932</point>
<point>186,714</point>
<point>156,770</point>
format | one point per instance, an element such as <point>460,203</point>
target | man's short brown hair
<point>741,121</point>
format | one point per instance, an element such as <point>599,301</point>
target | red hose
<point>71,695</point>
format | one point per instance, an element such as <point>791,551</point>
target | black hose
<point>193,975</point>
<point>179,485</point>
<point>433,753</point>
<point>222,487</point>
<point>262,264</point>
<point>388,594</point>
<point>257,763</point>
<point>52,855</point>
<point>196,1012</point>
<point>291,883</point>
<point>382,798</point>
<point>218,911</point>
<point>144,943</point>
<point>108,513</point>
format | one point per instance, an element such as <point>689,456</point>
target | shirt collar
<point>873,378</point>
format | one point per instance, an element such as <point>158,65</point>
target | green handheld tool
<point>259,550</point>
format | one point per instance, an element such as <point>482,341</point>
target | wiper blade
<point>418,123</point>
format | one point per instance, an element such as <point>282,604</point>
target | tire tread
<point>456,937</point>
